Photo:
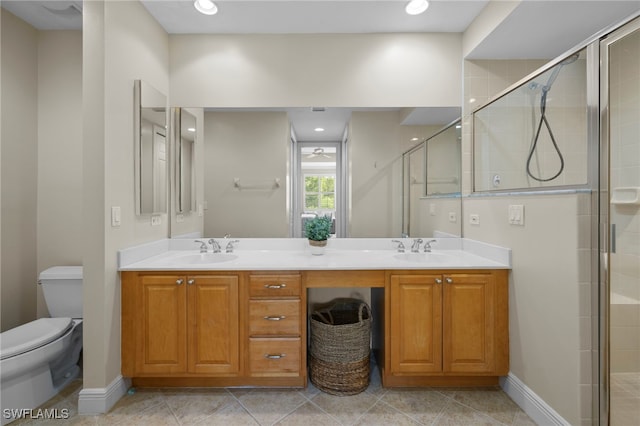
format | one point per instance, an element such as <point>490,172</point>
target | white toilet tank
<point>62,289</point>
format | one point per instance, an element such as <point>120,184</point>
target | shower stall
<point>620,214</point>
<point>573,127</point>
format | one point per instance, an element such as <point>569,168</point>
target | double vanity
<point>440,318</point>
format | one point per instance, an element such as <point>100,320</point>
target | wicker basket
<point>339,378</point>
<point>340,346</point>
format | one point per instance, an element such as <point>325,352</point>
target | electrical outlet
<point>453,217</point>
<point>474,219</point>
<point>156,220</point>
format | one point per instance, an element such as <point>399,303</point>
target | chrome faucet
<point>215,246</point>
<point>203,246</point>
<point>400,245</point>
<point>427,246</point>
<point>415,247</point>
<point>229,248</point>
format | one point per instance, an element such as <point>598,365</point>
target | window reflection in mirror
<point>185,150</point>
<point>151,167</point>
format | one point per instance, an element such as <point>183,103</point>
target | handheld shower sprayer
<point>543,119</point>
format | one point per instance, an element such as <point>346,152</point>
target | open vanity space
<point>197,319</point>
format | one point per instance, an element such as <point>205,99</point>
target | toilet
<point>41,357</point>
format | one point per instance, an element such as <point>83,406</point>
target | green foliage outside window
<point>319,192</point>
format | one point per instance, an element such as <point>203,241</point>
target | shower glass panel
<point>535,135</point>
<point>623,69</point>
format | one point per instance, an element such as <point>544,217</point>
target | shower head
<point>556,70</point>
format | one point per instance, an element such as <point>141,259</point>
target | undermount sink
<point>422,257</point>
<point>203,258</point>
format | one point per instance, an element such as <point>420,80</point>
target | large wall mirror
<point>151,149</point>
<point>186,132</point>
<point>246,159</point>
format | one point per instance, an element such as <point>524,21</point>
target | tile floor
<point>625,399</point>
<point>308,407</point>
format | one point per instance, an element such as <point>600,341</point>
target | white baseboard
<point>535,407</point>
<point>100,400</point>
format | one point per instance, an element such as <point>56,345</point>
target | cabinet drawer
<point>274,317</point>
<point>274,285</point>
<point>274,357</point>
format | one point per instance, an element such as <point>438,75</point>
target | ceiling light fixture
<point>416,7</point>
<point>319,129</point>
<point>206,7</point>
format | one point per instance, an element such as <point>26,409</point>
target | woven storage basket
<point>339,378</point>
<point>341,331</point>
<point>340,346</point>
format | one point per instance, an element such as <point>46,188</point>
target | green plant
<point>318,228</point>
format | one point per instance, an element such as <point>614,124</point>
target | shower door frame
<point>604,222</point>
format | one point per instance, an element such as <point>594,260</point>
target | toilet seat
<point>32,335</point>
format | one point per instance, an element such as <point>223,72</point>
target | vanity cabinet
<point>180,324</point>
<point>446,328</point>
<point>276,322</point>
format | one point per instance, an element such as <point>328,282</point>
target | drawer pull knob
<point>179,281</point>
<point>274,356</point>
<point>274,317</point>
<point>438,281</point>
<point>448,280</point>
<point>191,281</point>
<point>275,286</point>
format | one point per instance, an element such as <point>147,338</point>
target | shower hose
<point>543,120</point>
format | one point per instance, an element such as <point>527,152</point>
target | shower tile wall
<point>624,68</point>
<point>483,79</point>
<point>505,131</point>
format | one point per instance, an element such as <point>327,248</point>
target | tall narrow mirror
<point>185,149</point>
<point>150,139</point>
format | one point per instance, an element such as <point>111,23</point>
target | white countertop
<point>293,254</point>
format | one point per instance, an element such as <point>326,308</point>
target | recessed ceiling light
<point>416,7</point>
<point>191,129</point>
<point>319,129</point>
<point>414,139</point>
<point>206,7</point>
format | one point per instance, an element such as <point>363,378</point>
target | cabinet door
<point>469,316</point>
<point>161,337</point>
<point>213,324</point>
<point>416,323</point>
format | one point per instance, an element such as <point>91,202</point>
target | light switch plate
<point>516,214</point>
<point>116,216</point>
<point>156,220</point>
<point>179,218</point>
<point>432,209</point>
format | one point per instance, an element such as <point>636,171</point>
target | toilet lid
<point>32,335</point>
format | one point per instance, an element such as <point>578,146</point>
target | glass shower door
<point>621,129</point>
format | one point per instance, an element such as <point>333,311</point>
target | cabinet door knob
<point>438,281</point>
<point>274,317</point>
<point>275,286</point>
<point>449,280</point>
<point>179,281</point>
<point>191,281</point>
<point>274,356</point>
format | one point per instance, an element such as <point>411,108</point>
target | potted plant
<point>317,231</point>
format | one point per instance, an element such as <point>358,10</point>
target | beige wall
<point>121,43</point>
<point>549,301</point>
<point>19,171</point>
<point>59,153</point>
<point>391,70</point>
<point>253,147</point>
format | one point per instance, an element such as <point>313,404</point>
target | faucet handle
<point>229,248</point>
<point>400,245</point>
<point>203,246</point>
<point>427,245</point>
<point>415,246</point>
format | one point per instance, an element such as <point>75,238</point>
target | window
<point>319,192</point>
